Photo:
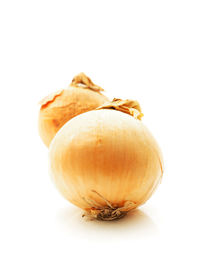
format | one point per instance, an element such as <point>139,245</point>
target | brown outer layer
<point>62,106</point>
<point>107,151</point>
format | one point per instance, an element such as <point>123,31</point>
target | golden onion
<point>56,109</point>
<point>106,161</point>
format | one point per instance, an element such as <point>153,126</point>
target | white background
<point>144,50</point>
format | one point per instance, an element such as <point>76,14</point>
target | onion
<point>106,161</point>
<point>56,109</point>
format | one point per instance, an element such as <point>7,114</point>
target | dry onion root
<point>106,161</point>
<point>56,109</point>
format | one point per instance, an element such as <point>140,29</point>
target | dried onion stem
<point>131,107</point>
<point>83,81</point>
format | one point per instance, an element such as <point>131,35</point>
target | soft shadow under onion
<point>135,223</point>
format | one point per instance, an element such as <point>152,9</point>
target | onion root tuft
<point>109,212</point>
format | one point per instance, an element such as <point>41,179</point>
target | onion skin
<point>60,107</point>
<point>107,151</point>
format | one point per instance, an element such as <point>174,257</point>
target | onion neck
<point>131,107</point>
<point>84,82</point>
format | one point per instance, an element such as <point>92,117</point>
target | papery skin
<point>107,151</point>
<point>62,106</point>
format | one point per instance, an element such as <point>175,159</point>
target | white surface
<point>144,50</point>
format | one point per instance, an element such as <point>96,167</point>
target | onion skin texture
<point>60,107</point>
<point>107,151</point>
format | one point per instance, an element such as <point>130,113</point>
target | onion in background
<point>56,109</point>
